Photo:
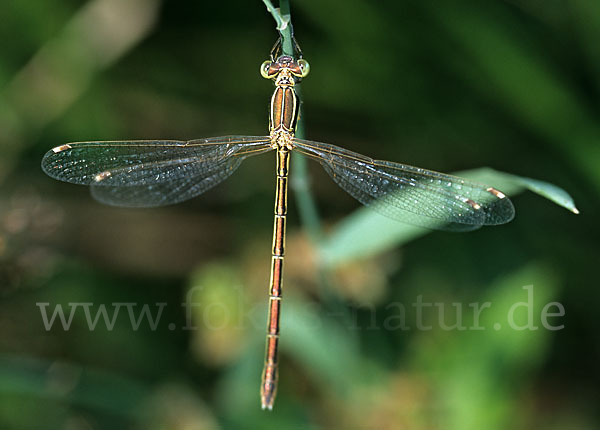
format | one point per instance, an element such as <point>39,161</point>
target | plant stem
<point>283,19</point>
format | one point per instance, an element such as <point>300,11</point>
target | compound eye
<point>304,67</point>
<point>264,69</point>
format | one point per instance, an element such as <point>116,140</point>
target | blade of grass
<point>365,232</point>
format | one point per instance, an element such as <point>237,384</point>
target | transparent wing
<point>150,173</point>
<point>411,194</point>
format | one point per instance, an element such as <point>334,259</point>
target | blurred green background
<point>514,85</point>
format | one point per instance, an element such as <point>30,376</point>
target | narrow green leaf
<point>513,184</point>
<point>365,232</point>
<point>551,192</point>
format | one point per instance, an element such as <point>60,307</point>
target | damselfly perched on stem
<point>149,173</point>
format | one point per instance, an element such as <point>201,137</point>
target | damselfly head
<point>284,65</point>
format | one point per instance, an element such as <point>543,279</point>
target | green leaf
<point>512,184</point>
<point>365,232</point>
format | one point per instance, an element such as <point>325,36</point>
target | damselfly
<point>150,173</point>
